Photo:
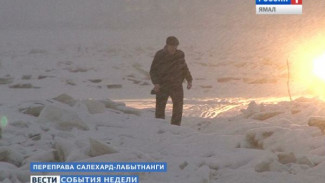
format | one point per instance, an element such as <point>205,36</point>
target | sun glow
<point>319,67</point>
<point>307,66</point>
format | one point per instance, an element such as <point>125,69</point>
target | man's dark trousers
<point>176,93</point>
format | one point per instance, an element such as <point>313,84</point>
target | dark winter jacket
<point>169,69</point>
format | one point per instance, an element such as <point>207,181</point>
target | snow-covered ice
<point>221,149</point>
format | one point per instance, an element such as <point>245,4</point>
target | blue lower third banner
<point>84,179</point>
<point>279,9</point>
<point>98,167</point>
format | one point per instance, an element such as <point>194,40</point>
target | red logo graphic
<point>299,2</point>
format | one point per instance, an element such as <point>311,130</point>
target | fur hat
<point>172,40</point>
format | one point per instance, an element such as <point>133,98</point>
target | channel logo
<point>278,7</point>
<point>44,179</point>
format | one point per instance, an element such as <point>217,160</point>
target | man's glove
<point>156,89</point>
<point>189,85</point>
<point>153,92</point>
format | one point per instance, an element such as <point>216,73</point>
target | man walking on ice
<point>168,71</point>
